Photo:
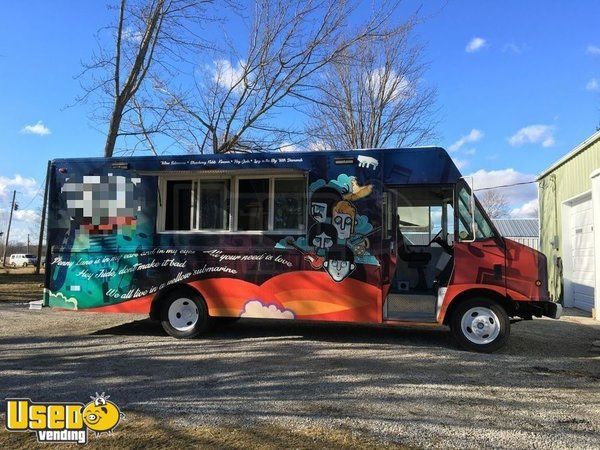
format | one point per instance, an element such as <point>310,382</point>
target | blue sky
<point>518,85</point>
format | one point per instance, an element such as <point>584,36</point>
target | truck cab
<point>450,265</point>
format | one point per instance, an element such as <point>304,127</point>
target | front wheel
<point>480,325</point>
<point>184,315</point>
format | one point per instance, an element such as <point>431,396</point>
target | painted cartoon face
<point>344,223</point>
<point>101,417</point>
<point>338,270</point>
<point>321,202</point>
<point>318,211</point>
<point>322,241</point>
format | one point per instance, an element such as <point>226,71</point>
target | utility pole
<point>28,243</point>
<point>12,207</point>
<point>41,240</point>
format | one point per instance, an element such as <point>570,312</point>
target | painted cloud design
<point>256,309</point>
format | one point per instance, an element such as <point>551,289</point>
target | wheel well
<point>475,293</point>
<point>166,293</point>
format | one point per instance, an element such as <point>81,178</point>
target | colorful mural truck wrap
<point>370,236</point>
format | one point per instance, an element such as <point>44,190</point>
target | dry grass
<point>143,432</point>
<point>20,285</point>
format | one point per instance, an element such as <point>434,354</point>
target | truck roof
<point>414,165</point>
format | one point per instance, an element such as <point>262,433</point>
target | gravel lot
<point>395,386</point>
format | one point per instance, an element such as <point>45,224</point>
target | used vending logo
<point>63,422</point>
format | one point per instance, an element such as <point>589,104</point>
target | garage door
<point>582,254</point>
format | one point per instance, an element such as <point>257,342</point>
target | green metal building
<point>569,201</point>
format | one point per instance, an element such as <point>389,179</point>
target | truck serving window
<point>197,205</point>
<point>289,204</point>
<point>253,204</point>
<point>179,205</point>
<point>272,203</point>
<point>261,203</point>
<point>213,204</point>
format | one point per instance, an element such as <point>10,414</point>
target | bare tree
<point>234,103</point>
<point>150,37</point>
<point>495,204</point>
<point>375,97</point>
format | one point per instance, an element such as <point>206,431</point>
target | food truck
<point>381,236</point>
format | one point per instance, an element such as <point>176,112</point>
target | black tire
<point>489,317</point>
<point>184,302</point>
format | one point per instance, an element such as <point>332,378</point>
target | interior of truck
<point>421,220</point>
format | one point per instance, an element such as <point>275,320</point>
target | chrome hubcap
<point>480,325</point>
<point>183,314</point>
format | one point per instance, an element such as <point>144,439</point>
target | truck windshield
<point>483,228</point>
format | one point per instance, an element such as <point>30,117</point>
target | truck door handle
<point>498,271</point>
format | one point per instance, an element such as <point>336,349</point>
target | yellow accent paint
<point>319,295</point>
<point>312,307</point>
<point>224,312</point>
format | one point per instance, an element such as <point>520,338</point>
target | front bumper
<point>527,310</point>
<point>550,309</point>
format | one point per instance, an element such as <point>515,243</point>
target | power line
<point>34,197</point>
<point>505,185</point>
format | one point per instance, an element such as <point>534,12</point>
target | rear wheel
<point>184,315</point>
<point>480,325</point>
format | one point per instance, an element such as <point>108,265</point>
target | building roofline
<point>578,149</point>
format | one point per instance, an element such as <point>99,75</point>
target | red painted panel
<point>481,262</point>
<point>456,289</point>
<point>524,267</point>
<point>138,306</point>
<point>306,295</point>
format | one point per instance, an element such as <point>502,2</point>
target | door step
<point>410,307</point>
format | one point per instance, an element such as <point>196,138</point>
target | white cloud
<point>257,309</point>
<point>593,85</point>
<point>24,222</point>
<point>135,36</point>
<point>288,147</point>
<point>39,128</point>
<point>513,48</point>
<point>533,134</point>
<point>475,44</point>
<point>473,136</point>
<point>317,146</point>
<point>26,215</point>
<point>470,151</point>
<point>396,86</point>
<point>227,75</point>
<point>593,50</point>
<point>528,209</point>
<point>460,163</point>
<point>18,182</point>
<point>516,195</point>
